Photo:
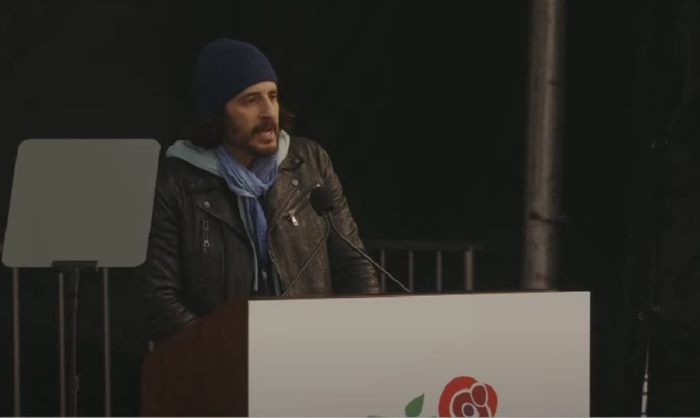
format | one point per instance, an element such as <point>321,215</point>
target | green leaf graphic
<point>415,407</point>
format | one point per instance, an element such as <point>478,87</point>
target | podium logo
<point>462,396</point>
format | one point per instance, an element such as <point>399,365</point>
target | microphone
<point>322,203</point>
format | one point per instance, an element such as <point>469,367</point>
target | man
<point>232,216</point>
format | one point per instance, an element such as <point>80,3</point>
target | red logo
<point>464,396</point>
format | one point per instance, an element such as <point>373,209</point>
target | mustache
<point>265,125</point>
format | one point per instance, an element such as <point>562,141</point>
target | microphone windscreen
<point>321,200</point>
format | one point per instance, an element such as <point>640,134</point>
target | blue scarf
<point>251,186</point>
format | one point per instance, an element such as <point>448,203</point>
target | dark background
<point>422,108</point>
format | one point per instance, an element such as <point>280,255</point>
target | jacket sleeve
<point>165,312</point>
<point>351,273</point>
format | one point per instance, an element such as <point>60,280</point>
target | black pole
<point>73,380</point>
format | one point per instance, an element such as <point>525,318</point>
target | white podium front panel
<point>510,354</point>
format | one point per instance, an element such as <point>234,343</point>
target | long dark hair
<point>209,132</point>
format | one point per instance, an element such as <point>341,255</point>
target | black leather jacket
<point>199,254</point>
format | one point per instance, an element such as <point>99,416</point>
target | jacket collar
<point>214,197</point>
<point>285,188</point>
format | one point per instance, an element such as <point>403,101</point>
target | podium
<point>477,354</point>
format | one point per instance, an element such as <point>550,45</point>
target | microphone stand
<point>329,218</point>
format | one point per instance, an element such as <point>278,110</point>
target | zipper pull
<point>293,218</point>
<point>263,272</point>
<point>205,235</point>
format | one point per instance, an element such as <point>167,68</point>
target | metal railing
<point>409,249</point>
<point>384,248</point>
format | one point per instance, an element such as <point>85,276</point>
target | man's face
<point>252,123</point>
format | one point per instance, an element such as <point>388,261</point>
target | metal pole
<point>107,343</point>
<point>438,271</point>
<point>543,165</point>
<point>15,340</point>
<point>469,270</point>
<point>73,379</point>
<point>62,343</point>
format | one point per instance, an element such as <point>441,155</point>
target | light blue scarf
<point>250,185</point>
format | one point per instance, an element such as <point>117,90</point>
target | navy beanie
<point>224,68</point>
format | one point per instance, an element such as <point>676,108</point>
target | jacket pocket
<point>204,256</point>
<point>301,212</point>
<point>204,268</point>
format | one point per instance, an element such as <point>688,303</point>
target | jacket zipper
<point>205,235</point>
<point>299,203</point>
<point>294,204</point>
<point>263,275</point>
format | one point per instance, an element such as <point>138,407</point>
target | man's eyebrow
<point>251,94</point>
<point>259,93</point>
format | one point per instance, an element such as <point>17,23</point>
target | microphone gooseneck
<point>322,203</point>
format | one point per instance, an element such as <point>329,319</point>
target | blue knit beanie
<point>224,68</point>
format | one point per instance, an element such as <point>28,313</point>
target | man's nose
<point>267,108</point>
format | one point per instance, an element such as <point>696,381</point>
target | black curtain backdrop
<point>422,108</point>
